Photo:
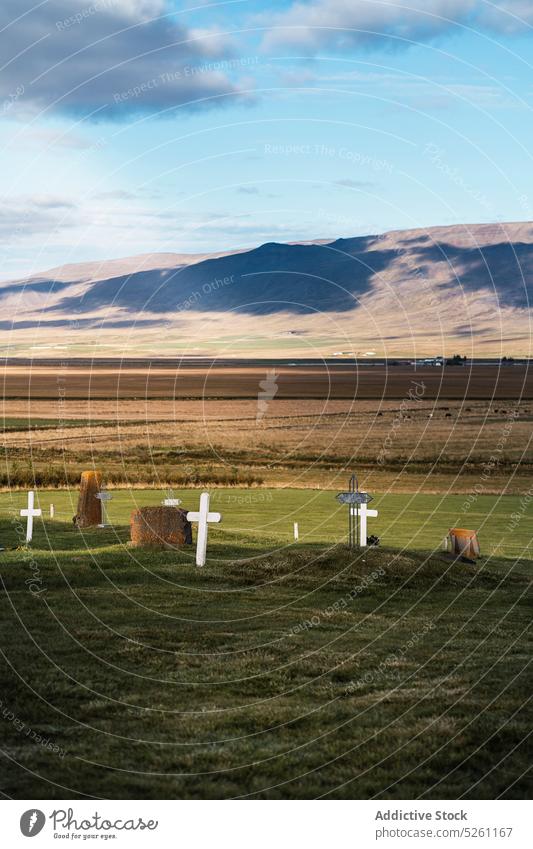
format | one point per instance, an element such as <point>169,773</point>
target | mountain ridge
<point>404,292</point>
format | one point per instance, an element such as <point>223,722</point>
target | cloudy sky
<point>133,126</point>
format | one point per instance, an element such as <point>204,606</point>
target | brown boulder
<point>464,543</point>
<point>160,526</point>
<point>89,511</point>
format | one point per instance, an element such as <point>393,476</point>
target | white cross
<point>203,516</point>
<point>30,512</point>
<point>364,513</point>
<point>104,496</point>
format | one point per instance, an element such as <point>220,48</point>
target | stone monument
<point>89,512</point>
<point>160,527</point>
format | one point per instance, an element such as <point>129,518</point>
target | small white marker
<point>296,535</point>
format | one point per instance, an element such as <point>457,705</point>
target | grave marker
<point>358,512</point>
<point>203,517</point>
<point>30,511</point>
<point>89,512</point>
<point>104,496</point>
<point>160,526</point>
<point>170,501</point>
<point>363,513</point>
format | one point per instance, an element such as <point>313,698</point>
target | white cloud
<point>115,194</point>
<point>25,217</point>
<point>107,58</point>
<point>345,24</point>
<point>509,17</point>
<point>347,183</point>
<point>46,138</point>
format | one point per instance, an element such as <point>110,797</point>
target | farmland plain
<point>401,428</point>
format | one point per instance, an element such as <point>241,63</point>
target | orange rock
<point>89,511</point>
<point>464,543</point>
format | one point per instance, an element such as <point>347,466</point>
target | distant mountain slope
<point>271,278</point>
<point>413,292</point>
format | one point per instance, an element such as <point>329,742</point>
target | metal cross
<point>357,501</point>
<point>104,496</point>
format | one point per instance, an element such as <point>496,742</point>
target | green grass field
<point>412,521</point>
<point>277,671</point>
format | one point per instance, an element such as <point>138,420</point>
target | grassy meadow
<point>280,670</point>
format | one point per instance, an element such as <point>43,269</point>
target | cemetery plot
<point>416,522</point>
<point>276,671</point>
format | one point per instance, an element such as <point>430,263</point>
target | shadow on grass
<point>59,539</point>
<point>59,536</point>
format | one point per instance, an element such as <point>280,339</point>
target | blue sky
<point>133,126</point>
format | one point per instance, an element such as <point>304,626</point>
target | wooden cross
<point>203,517</point>
<point>30,511</point>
